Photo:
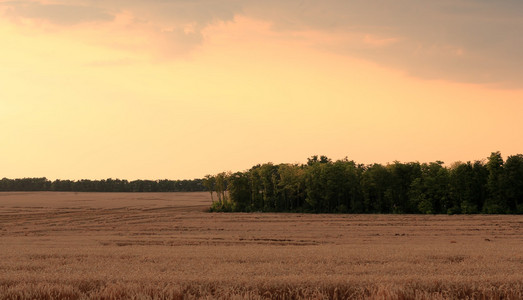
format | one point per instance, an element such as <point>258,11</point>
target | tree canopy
<point>104,185</point>
<point>344,186</point>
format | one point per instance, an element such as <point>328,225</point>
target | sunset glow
<point>171,89</point>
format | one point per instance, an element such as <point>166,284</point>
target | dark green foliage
<point>429,192</point>
<point>403,175</point>
<point>513,183</point>
<point>496,202</point>
<point>240,189</point>
<point>325,186</point>
<point>376,187</point>
<point>104,185</point>
<point>461,188</point>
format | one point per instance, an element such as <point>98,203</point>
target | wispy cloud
<point>465,40</point>
<point>112,63</point>
<point>60,14</point>
<point>457,40</point>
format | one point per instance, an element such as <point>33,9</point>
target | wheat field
<point>166,246</point>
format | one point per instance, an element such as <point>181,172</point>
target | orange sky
<point>128,90</point>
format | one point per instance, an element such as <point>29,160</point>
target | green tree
<point>461,187</point>
<point>239,191</point>
<point>256,188</point>
<point>495,202</point>
<point>209,182</point>
<point>402,176</point>
<point>375,182</point>
<point>513,183</point>
<point>291,186</point>
<point>314,186</point>
<point>220,186</point>
<point>429,192</point>
<point>268,174</point>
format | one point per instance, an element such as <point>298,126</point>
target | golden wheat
<point>165,246</point>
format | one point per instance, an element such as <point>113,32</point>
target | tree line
<point>491,186</point>
<point>104,185</point>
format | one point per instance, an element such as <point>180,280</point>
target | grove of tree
<point>104,185</point>
<point>321,185</point>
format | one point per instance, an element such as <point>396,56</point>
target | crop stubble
<point>164,245</point>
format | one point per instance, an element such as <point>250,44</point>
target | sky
<point>178,89</point>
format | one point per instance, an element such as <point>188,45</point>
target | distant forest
<point>105,185</point>
<point>492,186</point>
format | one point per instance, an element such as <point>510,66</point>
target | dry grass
<point>164,246</point>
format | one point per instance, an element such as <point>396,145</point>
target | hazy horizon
<point>304,162</point>
<point>177,90</point>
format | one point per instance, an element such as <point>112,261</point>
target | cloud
<point>459,40</point>
<point>60,14</point>
<point>170,28</point>
<point>111,63</point>
<point>376,41</point>
<point>474,41</point>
